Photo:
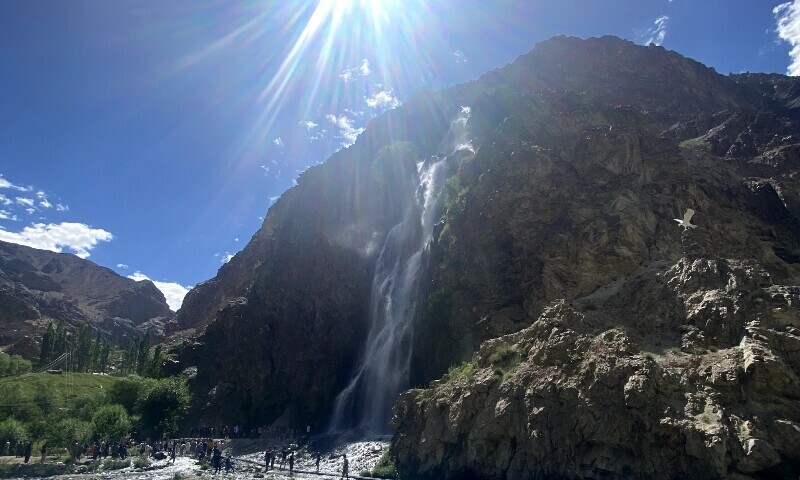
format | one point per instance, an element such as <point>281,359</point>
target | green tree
<point>129,391</point>
<point>143,353</point>
<point>164,405</point>
<point>68,430</point>
<point>12,431</point>
<point>46,398</point>
<point>48,345</point>
<point>111,423</point>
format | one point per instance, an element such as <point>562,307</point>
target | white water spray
<point>383,372</point>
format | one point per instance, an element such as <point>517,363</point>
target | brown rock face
<point>610,343</point>
<point>642,351</point>
<point>37,287</point>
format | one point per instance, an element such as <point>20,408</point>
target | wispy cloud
<point>77,237</point>
<point>7,184</point>
<point>122,266</point>
<point>459,56</point>
<point>349,73</point>
<point>173,292</point>
<point>27,202</point>
<point>309,124</point>
<point>656,33</point>
<point>226,257</point>
<point>787,17</point>
<point>6,215</point>
<point>347,132</point>
<point>62,208</point>
<point>382,100</point>
<point>278,141</point>
<point>5,200</point>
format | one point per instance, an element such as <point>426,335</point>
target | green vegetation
<point>13,365</point>
<point>696,144</point>
<point>504,353</point>
<point>385,468</point>
<point>61,409</point>
<point>78,350</point>
<point>112,464</point>
<point>465,370</point>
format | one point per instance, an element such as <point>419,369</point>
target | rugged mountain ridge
<point>39,286</point>
<point>558,240</point>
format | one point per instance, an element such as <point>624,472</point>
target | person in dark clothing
<point>216,460</point>
<point>283,457</point>
<point>345,468</point>
<point>228,464</point>
<point>291,463</point>
<point>172,452</point>
<point>28,451</point>
<point>267,454</point>
<point>318,455</point>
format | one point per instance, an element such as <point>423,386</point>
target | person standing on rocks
<point>283,458</point>
<point>345,467</point>
<point>44,452</point>
<point>291,463</point>
<point>318,456</point>
<point>28,451</point>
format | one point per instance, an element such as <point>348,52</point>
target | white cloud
<point>382,99</point>
<point>45,204</point>
<point>310,125</point>
<point>272,200</point>
<point>6,184</point>
<point>656,33</point>
<point>364,68</point>
<point>787,16</point>
<point>30,210</point>
<point>236,239</point>
<point>5,200</point>
<point>460,57</point>
<point>227,257</point>
<point>349,73</point>
<point>62,208</point>
<point>28,202</point>
<point>266,170</point>
<point>347,131</point>
<point>278,141</point>
<point>78,237</point>
<point>122,265</point>
<point>6,215</point>
<point>173,292</point>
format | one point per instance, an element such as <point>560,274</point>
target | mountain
<point>38,287</point>
<point>509,247</point>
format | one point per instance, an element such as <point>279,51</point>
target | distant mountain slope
<point>38,286</point>
<point>602,340</point>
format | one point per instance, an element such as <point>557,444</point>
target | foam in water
<point>383,372</point>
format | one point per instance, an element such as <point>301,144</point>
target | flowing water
<point>383,371</point>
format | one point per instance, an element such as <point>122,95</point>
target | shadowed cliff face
<point>38,286</point>
<point>585,153</point>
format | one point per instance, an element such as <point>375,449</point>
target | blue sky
<point>152,136</point>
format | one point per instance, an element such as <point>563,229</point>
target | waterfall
<point>383,371</point>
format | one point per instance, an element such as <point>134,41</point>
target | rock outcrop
<point>38,287</point>
<point>601,340</point>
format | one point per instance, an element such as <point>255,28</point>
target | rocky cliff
<point>38,287</point>
<point>600,339</point>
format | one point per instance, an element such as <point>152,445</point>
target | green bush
<point>112,464</point>
<point>164,405</point>
<point>140,462</point>
<point>128,391</point>
<point>13,365</point>
<point>503,353</point>
<point>111,423</point>
<point>465,370</point>
<point>385,468</point>
<point>12,431</point>
<point>68,430</point>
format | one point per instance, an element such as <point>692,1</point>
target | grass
<point>66,385</point>
<point>385,468</point>
<point>465,370</point>
<point>696,144</point>
<point>140,462</point>
<point>503,353</point>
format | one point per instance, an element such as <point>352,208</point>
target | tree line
<point>87,347</point>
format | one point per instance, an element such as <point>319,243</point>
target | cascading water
<point>383,372</point>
